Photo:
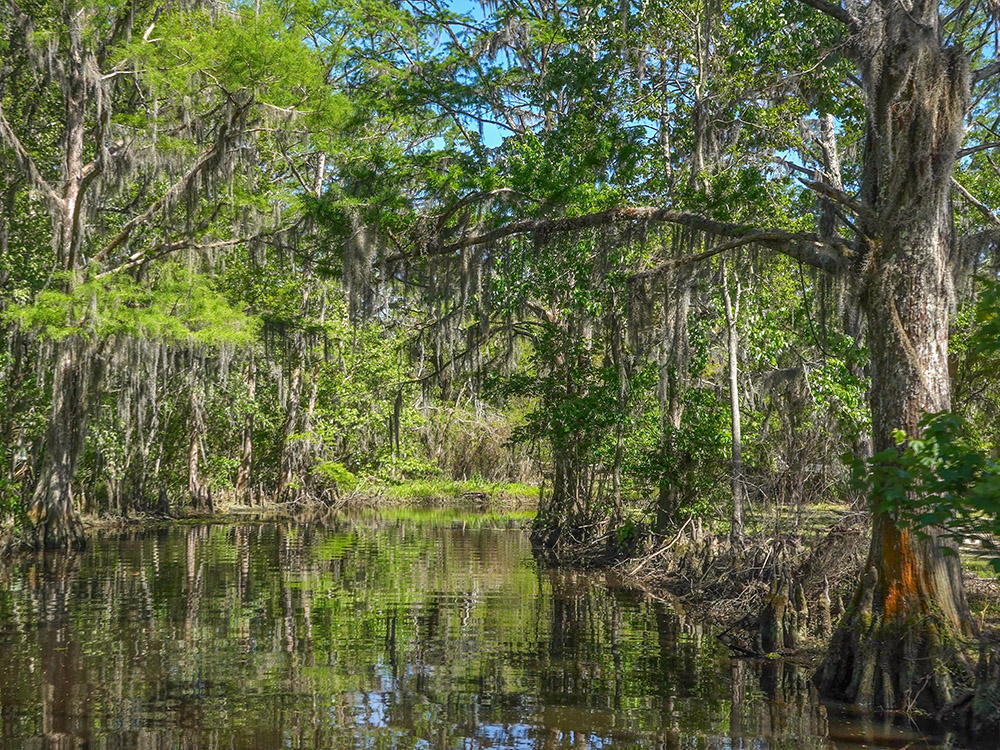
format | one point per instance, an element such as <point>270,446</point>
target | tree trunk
<point>245,472</point>
<point>291,442</point>
<point>201,498</point>
<point>897,645</point>
<point>293,446</point>
<point>564,508</point>
<point>673,384</point>
<point>52,513</point>
<point>736,457</point>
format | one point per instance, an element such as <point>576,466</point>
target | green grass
<point>454,516</point>
<point>978,566</point>
<point>451,489</point>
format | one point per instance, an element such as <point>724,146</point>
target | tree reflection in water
<point>405,629</point>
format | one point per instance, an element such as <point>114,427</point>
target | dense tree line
<point>669,259</point>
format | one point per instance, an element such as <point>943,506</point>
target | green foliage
<point>936,479</point>
<point>336,474</point>
<point>287,172</point>
<point>985,339</point>
<point>257,50</point>
<point>176,306</point>
<point>975,351</point>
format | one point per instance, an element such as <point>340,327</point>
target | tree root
<point>911,663</point>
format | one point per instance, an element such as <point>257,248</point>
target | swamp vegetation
<point>683,271</point>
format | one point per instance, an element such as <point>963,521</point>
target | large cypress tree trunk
<point>54,518</point>
<point>897,645</point>
<point>52,513</point>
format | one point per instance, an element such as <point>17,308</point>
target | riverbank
<point>507,504</point>
<point>780,592</point>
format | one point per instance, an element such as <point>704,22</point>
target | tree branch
<point>172,192</point>
<point>987,71</point>
<point>838,196</point>
<point>834,10</point>
<point>749,239</point>
<point>828,255</point>
<point>175,190</point>
<point>977,148</point>
<point>25,162</point>
<point>121,25</point>
<point>982,207</point>
<point>158,251</point>
<point>980,240</point>
<point>471,198</point>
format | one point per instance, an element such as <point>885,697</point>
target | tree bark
<point>674,363</point>
<point>736,456</point>
<point>898,643</point>
<point>245,471</point>
<point>52,513</point>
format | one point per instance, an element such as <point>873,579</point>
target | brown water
<point>409,630</point>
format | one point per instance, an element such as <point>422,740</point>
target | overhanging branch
<point>978,204</point>
<point>175,191</point>
<point>807,247</point>
<point>838,196</point>
<point>168,248</point>
<point>977,148</point>
<point>471,198</point>
<point>749,239</point>
<point>979,241</point>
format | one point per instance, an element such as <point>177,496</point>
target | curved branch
<point>468,200</point>
<point>980,240</point>
<point>173,193</point>
<point>807,247</point>
<point>839,196</point>
<point>141,257</point>
<point>978,204</point>
<point>762,238</point>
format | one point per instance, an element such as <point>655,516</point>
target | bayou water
<point>405,629</point>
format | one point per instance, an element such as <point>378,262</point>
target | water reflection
<point>397,631</point>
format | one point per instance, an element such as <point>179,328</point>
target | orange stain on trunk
<point>900,572</point>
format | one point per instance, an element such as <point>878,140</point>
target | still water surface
<point>400,630</point>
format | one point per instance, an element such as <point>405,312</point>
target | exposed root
<point>914,664</point>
